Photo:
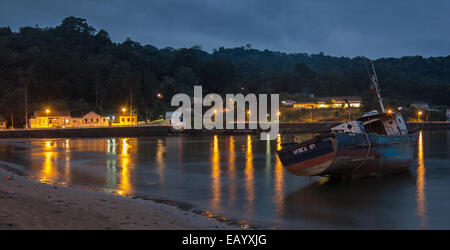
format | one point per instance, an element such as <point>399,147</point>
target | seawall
<point>139,131</point>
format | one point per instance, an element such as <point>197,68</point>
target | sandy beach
<point>29,204</point>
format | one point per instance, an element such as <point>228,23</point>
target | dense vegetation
<point>74,67</point>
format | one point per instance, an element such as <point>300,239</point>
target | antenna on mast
<point>374,79</point>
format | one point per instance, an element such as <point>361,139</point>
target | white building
<point>420,105</point>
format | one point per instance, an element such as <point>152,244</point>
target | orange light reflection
<point>420,183</point>
<point>232,171</point>
<point>249,181</point>
<point>278,181</point>
<point>215,174</point>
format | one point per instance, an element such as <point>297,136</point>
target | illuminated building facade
<point>2,123</point>
<point>50,119</point>
<point>126,120</point>
<point>62,119</point>
<point>334,102</point>
<point>93,119</point>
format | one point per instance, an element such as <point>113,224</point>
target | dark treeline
<point>74,67</point>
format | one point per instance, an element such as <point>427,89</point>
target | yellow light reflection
<point>67,173</point>
<point>215,174</point>
<point>278,142</point>
<point>232,171</point>
<point>124,147</point>
<point>67,145</point>
<point>420,183</point>
<point>268,160</point>
<point>160,164</point>
<point>278,181</point>
<point>322,181</point>
<point>124,187</point>
<point>249,181</point>
<point>48,169</point>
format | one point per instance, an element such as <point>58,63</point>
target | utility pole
<point>131,104</point>
<point>12,121</point>
<point>26,104</point>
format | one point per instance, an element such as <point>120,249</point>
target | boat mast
<point>374,79</point>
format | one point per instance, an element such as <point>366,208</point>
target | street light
<point>389,111</point>
<point>47,111</point>
<point>418,115</point>
<point>124,109</point>
<point>159,95</point>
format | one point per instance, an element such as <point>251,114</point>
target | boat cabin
<point>384,123</point>
<point>373,122</point>
<point>354,127</point>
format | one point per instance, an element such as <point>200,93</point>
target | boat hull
<point>309,158</point>
<point>351,156</point>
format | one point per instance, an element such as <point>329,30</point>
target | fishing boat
<point>376,144</point>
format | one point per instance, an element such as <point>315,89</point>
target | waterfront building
<point>93,119</point>
<point>420,105</point>
<point>126,120</point>
<point>2,123</point>
<point>333,102</point>
<point>305,105</point>
<point>76,122</point>
<point>63,119</point>
<point>288,102</point>
<point>50,119</point>
<point>169,119</point>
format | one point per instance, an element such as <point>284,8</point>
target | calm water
<point>240,177</point>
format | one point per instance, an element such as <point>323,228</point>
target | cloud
<point>341,28</point>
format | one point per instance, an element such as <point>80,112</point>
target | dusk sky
<point>339,28</point>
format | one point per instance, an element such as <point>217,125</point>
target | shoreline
<point>152,130</point>
<point>29,204</point>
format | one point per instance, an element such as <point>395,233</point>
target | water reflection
<point>119,182</point>
<point>160,164</point>
<point>215,174</point>
<point>111,162</point>
<point>357,204</point>
<point>279,181</point>
<point>232,171</point>
<point>420,183</point>
<point>249,181</point>
<point>48,170</point>
<point>124,187</point>
<point>241,177</point>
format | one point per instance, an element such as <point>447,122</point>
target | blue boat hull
<point>350,155</point>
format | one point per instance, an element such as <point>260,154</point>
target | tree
<point>71,25</point>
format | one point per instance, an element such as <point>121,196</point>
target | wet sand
<point>28,204</point>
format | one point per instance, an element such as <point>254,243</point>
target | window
<point>97,119</point>
<point>123,119</point>
<point>128,119</point>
